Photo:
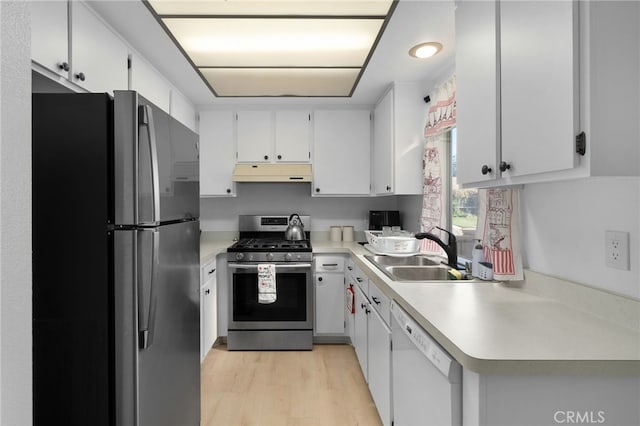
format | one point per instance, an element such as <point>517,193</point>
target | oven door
<point>292,310</point>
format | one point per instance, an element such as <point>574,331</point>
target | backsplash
<point>563,226</point>
<point>221,214</point>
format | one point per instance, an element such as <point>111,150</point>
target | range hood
<point>272,173</point>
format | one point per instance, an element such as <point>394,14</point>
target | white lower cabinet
<point>329,296</point>
<point>491,400</point>
<point>329,312</point>
<point>379,364</point>
<point>360,330</point>
<point>208,302</point>
<point>372,343</point>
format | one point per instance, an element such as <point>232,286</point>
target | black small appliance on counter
<point>380,218</point>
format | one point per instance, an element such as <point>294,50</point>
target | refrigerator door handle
<point>148,246</point>
<point>145,118</point>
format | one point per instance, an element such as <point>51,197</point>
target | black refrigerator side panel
<point>72,260</point>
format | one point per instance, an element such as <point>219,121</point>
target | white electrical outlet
<point>617,249</point>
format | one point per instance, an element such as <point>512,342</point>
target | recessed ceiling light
<point>425,50</point>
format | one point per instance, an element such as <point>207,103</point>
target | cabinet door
<point>98,56</point>
<point>149,83</point>
<point>380,366</point>
<point>382,173</point>
<point>207,318</point>
<point>329,309</point>
<point>255,136</point>
<point>50,35</point>
<point>539,85</point>
<point>341,159</point>
<point>182,109</point>
<point>210,328</point>
<point>360,329</point>
<point>216,153</point>
<point>292,136</point>
<point>477,119</point>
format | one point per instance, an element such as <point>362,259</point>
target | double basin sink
<point>412,268</point>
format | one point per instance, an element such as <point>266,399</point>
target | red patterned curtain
<point>441,117</point>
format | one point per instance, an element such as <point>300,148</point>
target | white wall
<point>221,214</point>
<point>15,213</point>
<point>563,227</point>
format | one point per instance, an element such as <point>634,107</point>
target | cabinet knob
<point>279,157</point>
<point>504,166</point>
<point>362,305</point>
<point>317,189</point>
<point>228,190</point>
<point>367,311</point>
<point>80,76</point>
<point>388,188</point>
<point>64,66</point>
<point>319,278</point>
<point>486,169</point>
<point>266,157</point>
<point>207,291</point>
<point>375,300</point>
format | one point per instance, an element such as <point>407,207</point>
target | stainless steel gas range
<point>287,322</point>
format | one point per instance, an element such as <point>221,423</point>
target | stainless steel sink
<point>413,268</point>
<point>402,261</point>
<point>417,273</point>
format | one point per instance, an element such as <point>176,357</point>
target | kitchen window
<point>463,206</point>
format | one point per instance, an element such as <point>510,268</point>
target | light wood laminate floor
<point>323,387</point>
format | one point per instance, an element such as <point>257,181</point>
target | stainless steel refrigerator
<point>115,263</point>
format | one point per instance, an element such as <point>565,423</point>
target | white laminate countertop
<point>497,328</point>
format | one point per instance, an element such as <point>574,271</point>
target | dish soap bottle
<point>477,257</point>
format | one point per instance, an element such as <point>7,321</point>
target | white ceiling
<point>413,21</point>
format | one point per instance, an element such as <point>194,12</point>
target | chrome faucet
<point>451,249</point>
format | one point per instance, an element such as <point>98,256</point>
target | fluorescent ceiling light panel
<point>281,82</point>
<point>276,42</point>
<point>270,7</point>
<point>276,48</point>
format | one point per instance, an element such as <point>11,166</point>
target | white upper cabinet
<point>150,83</point>
<point>182,109</point>
<point>524,97</point>
<point>539,76</point>
<point>50,36</point>
<point>341,159</point>
<point>217,149</point>
<point>268,136</point>
<point>98,57</point>
<point>292,130</point>
<point>255,136</point>
<point>477,118</point>
<point>517,93</point>
<point>382,173</point>
<point>398,142</point>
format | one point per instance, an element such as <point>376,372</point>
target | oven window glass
<point>290,304</point>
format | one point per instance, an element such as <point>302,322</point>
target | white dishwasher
<point>427,381</point>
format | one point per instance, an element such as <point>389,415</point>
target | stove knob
<point>239,256</point>
<point>269,256</point>
<point>288,257</point>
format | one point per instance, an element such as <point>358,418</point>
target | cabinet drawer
<point>361,279</point>
<point>207,271</point>
<point>350,270</point>
<point>329,264</point>
<point>380,302</point>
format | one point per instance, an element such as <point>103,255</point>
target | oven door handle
<point>278,266</point>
